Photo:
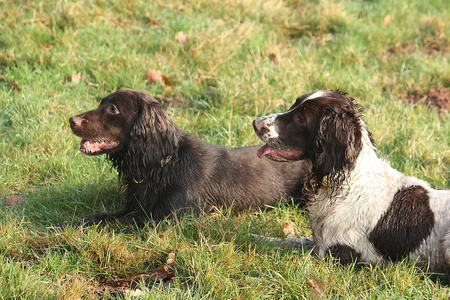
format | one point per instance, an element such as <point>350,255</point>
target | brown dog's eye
<point>112,109</point>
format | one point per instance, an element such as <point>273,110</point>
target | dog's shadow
<point>63,202</point>
<point>45,207</point>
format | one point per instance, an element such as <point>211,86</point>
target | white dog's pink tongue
<point>264,150</point>
<point>279,155</point>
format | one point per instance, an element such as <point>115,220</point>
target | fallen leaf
<point>76,77</point>
<point>167,80</point>
<point>162,273</point>
<point>118,287</point>
<point>13,200</point>
<point>387,20</point>
<point>2,77</point>
<point>288,230</point>
<point>165,272</point>
<point>46,46</point>
<point>317,287</point>
<point>154,76</point>
<point>272,57</point>
<point>168,89</point>
<point>181,37</point>
<point>13,85</point>
<point>158,21</point>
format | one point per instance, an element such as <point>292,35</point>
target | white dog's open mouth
<point>279,154</point>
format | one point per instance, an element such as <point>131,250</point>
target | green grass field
<point>239,60</point>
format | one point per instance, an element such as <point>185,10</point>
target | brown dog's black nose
<point>75,121</point>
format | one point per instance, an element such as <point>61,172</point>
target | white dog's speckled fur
<point>350,213</point>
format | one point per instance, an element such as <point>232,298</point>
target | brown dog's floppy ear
<point>153,140</point>
<point>337,146</point>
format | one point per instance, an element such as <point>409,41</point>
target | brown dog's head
<point>106,129</point>
<point>123,117</point>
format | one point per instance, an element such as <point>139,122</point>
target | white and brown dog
<point>361,209</point>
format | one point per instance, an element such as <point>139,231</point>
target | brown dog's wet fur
<point>166,170</point>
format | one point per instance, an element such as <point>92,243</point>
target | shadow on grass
<point>61,202</point>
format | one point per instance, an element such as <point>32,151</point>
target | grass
<point>241,59</point>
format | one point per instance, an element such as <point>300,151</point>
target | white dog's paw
<point>305,244</point>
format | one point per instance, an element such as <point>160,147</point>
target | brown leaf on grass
<point>2,77</point>
<point>152,21</point>
<point>167,80</point>
<point>168,90</point>
<point>46,46</point>
<point>272,57</point>
<point>317,288</point>
<point>288,230</point>
<point>120,287</point>
<point>154,76</point>
<point>13,85</point>
<point>16,199</point>
<point>181,37</point>
<point>157,77</point>
<point>162,273</point>
<point>165,272</point>
<point>76,77</point>
<point>387,20</point>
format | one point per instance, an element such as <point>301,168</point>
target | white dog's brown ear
<point>337,145</point>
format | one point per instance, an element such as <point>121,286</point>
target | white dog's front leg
<point>301,243</point>
<point>446,247</point>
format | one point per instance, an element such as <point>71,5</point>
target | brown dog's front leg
<point>95,219</point>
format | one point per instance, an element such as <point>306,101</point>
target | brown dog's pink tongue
<point>266,149</point>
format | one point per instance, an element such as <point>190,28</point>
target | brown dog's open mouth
<point>279,154</point>
<point>96,147</point>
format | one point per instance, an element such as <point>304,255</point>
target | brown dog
<point>166,170</point>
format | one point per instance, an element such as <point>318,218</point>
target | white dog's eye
<point>299,119</point>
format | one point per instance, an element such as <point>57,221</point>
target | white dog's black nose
<point>257,124</point>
